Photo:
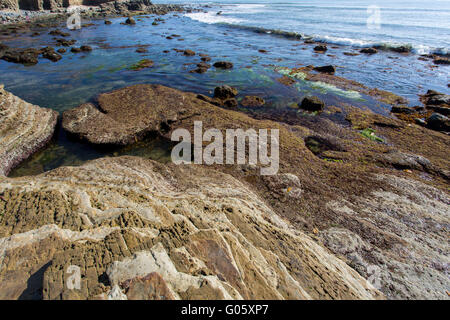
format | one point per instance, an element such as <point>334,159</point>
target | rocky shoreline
<point>351,218</point>
<point>358,209</point>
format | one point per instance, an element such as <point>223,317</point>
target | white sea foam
<point>212,17</point>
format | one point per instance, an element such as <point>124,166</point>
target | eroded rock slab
<point>205,233</point>
<point>24,129</point>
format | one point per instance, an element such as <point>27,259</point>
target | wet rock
<point>230,103</point>
<point>369,50</point>
<point>436,98</point>
<point>85,48</point>
<point>108,22</point>
<point>65,43</point>
<point>50,54</point>
<point>321,48</point>
<point>201,68</point>
<point>438,122</point>
<point>312,103</point>
<point>326,69</point>
<point>23,56</point>
<point>61,50</point>
<point>402,109</point>
<point>351,54</point>
<point>141,50</point>
<point>253,101</point>
<point>223,65</point>
<point>130,21</point>
<point>59,33</point>
<point>441,60</point>
<point>24,128</point>
<point>225,92</point>
<point>189,53</point>
<point>75,50</point>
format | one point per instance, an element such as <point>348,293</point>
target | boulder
<point>24,129</point>
<point>312,103</point>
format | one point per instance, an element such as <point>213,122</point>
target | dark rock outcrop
<point>438,122</point>
<point>326,69</point>
<point>312,103</point>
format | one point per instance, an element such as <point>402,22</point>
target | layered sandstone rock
<point>136,228</point>
<point>344,180</point>
<point>24,129</point>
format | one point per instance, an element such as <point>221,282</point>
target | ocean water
<point>423,25</point>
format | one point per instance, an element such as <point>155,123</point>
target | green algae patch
<point>370,134</point>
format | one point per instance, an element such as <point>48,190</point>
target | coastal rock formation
<point>24,129</point>
<point>135,228</point>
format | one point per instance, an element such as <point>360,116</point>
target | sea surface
<point>422,25</point>
<point>237,35</point>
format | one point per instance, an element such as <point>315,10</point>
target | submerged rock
<point>253,101</point>
<point>24,129</point>
<point>225,92</point>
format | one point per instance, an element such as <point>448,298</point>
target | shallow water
<point>78,78</point>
